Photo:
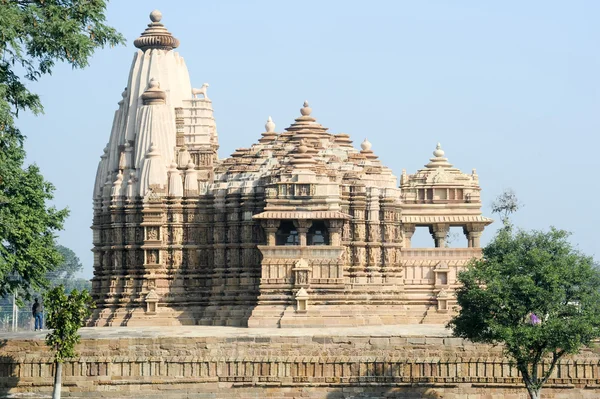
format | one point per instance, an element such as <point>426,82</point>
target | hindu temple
<point>299,229</point>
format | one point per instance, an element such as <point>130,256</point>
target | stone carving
<point>202,90</point>
<point>374,232</point>
<point>152,233</point>
<point>389,233</point>
<point>359,232</point>
<point>206,229</point>
<point>177,234</point>
<point>152,256</point>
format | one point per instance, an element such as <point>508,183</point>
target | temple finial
<point>155,16</point>
<point>156,36</point>
<point>438,153</point>
<point>270,125</point>
<point>306,109</point>
<point>153,94</point>
<point>366,145</point>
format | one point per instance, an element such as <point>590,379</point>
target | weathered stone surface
<point>221,362</point>
<point>299,229</point>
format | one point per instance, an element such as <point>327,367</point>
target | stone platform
<point>412,361</point>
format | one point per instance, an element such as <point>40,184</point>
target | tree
<point>34,36</point>
<point>65,315</point>
<point>506,204</point>
<point>533,293</point>
<point>27,224</point>
<point>68,267</point>
<point>65,272</point>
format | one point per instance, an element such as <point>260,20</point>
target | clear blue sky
<point>510,88</point>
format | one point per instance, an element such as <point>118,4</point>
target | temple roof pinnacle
<point>302,158</point>
<point>269,134</point>
<point>153,94</point>
<point>307,122</point>
<point>270,126</point>
<point>306,109</point>
<point>156,36</point>
<point>438,160</point>
<point>366,145</point>
<point>438,153</point>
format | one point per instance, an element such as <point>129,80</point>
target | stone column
<point>408,230</point>
<point>473,233</point>
<point>335,232</point>
<point>302,226</point>
<point>439,232</point>
<point>270,227</point>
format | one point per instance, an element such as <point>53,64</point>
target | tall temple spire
<point>156,36</point>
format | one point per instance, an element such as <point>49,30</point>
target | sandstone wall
<point>285,367</point>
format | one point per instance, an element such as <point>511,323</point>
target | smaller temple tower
<point>438,197</point>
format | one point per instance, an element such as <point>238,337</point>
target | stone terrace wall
<point>285,367</point>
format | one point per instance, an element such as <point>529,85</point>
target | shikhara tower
<point>299,229</point>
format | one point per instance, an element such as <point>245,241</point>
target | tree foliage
<point>533,293</point>
<point>64,274</point>
<point>27,224</point>
<point>65,315</point>
<point>69,266</point>
<point>34,36</point>
<point>505,205</point>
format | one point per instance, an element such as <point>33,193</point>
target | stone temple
<point>300,229</point>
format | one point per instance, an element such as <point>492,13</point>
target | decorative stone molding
<point>442,301</point>
<point>302,301</point>
<point>301,272</point>
<point>151,302</point>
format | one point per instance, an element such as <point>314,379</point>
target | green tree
<point>65,272</point>
<point>27,224</point>
<point>34,36</point>
<point>505,205</point>
<point>533,293</point>
<point>69,266</point>
<point>65,315</point>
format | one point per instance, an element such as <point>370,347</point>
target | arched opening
<point>317,234</point>
<point>287,234</point>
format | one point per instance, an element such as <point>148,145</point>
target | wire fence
<point>24,319</point>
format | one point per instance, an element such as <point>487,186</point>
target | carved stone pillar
<point>335,232</point>
<point>439,232</point>
<point>302,226</point>
<point>270,227</point>
<point>473,233</point>
<point>408,230</point>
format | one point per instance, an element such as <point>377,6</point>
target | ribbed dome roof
<point>156,36</point>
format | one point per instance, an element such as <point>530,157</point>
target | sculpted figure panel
<point>359,232</point>
<point>152,233</point>
<point>152,256</point>
<point>346,231</point>
<point>389,233</point>
<point>374,233</point>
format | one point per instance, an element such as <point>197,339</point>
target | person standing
<point>37,314</point>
